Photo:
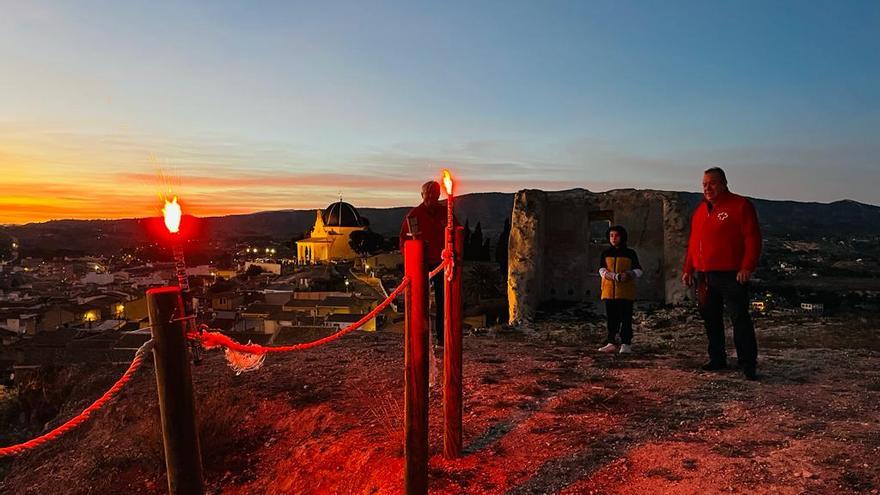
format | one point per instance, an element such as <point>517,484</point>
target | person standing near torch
<point>722,254</point>
<point>427,222</point>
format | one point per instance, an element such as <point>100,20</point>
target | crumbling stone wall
<point>556,240</point>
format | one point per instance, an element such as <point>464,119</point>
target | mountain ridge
<point>796,219</point>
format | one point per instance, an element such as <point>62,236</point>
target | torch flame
<point>447,182</point>
<point>172,214</point>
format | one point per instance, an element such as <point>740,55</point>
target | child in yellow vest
<point>619,268</point>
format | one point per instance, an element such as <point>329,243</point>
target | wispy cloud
<point>53,174</point>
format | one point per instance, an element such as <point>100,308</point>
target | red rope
<point>217,339</point>
<point>83,416</point>
<point>441,266</point>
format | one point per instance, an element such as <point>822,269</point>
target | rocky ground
<point>544,413</point>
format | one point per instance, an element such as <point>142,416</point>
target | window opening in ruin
<point>600,220</point>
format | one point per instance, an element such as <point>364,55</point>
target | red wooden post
<point>183,458</point>
<point>452,380</point>
<point>416,374</point>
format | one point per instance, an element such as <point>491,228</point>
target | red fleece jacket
<point>429,225</point>
<point>724,236</point>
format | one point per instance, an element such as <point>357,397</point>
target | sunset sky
<point>250,106</point>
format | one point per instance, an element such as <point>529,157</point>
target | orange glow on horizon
<point>127,195</point>
<point>447,182</point>
<point>172,213</point>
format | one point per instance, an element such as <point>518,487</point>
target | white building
<point>813,307</point>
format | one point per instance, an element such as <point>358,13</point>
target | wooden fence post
<point>452,365</point>
<point>183,458</point>
<point>416,373</point>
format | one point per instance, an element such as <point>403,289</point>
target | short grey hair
<point>431,186</point>
<point>717,170</point>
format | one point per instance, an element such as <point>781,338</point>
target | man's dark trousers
<point>715,291</point>
<point>438,287</point>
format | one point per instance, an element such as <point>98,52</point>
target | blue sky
<point>286,105</point>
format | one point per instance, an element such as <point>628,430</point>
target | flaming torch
<point>172,214</point>
<point>447,184</point>
<point>452,370</point>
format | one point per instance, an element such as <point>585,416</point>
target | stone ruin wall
<point>553,253</point>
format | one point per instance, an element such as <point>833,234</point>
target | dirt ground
<point>543,413</point>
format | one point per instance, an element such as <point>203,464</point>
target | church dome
<point>342,214</point>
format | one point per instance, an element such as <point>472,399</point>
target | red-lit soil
<point>544,413</point>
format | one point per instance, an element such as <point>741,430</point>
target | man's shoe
<point>714,366</point>
<point>625,349</point>
<point>749,372</point>
<point>608,348</point>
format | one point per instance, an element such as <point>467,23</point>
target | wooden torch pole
<point>416,374</point>
<point>452,369</point>
<point>183,458</point>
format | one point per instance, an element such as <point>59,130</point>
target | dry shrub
<point>225,437</point>
<point>385,411</point>
<point>221,422</point>
<point>9,406</point>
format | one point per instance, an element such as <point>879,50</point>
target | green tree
<point>482,282</point>
<point>501,249</point>
<point>366,242</point>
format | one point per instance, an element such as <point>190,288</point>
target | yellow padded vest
<point>618,290</point>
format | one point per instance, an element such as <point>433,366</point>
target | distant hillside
<point>801,220</point>
<point>798,220</point>
<point>488,208</point>
<point>77,237</point>
<point>780,218</point>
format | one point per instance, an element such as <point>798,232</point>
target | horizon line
<point>255,212</point>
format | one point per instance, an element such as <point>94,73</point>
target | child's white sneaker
<point>625,349</point>
<point>608,348</point>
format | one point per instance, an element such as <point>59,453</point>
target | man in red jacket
<point>722,254</point>
<point>427,222</point>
